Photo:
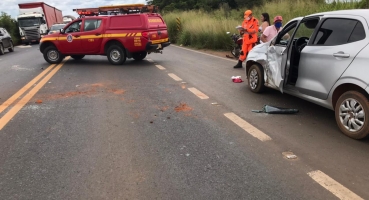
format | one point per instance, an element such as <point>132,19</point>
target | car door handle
<point>341,55</point>
<point>77,36</point>
<point>97,34</point>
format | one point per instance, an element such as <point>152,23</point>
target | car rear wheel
<point>52,55</point>
<point>2,52</point>
<point>77,57</point>
<point>11,48</point>
<point>352,114</point>
<point>116,55</point>
<point>139,55</point>
<point>255,78</point>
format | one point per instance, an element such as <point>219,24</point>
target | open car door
<point>278,56</point>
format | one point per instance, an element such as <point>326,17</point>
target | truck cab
<point>35,20</point>
<point>117,36</point>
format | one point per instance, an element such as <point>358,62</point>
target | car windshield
<point>57,27</point>
<point>28,22</point>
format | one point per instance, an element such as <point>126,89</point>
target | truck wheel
<point>77,57</point>
<point>11,49</point>
<point>255,78</point>
<point>352,114</point>
<point>2,52</point>
<point>52,55</point>
<point>139,55</point>
<point>116,55</point>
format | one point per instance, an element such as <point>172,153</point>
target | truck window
<point>75,27</point>
<point>92,24</point>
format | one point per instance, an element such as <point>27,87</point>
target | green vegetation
<point>11,26</point>
<point>207,29</point>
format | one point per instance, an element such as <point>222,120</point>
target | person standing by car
<point>265,22</point>
<point>271,31</point>
<point>250,27</point>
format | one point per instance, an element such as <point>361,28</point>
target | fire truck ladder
<point>123,9</point>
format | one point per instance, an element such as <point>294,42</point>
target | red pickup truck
<point>118,37</point>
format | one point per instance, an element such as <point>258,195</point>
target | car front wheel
<point>11,48</point>
<point>255,78</point>
<point>52,55</point>
<point>2,52</point>
<point>352,114</point>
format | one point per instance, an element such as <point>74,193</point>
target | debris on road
<point>276,110</point>
<point>236,79</point>
<point>39,101</point>
<point>289,155</point>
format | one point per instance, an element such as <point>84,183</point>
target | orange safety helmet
<point>248,13</point>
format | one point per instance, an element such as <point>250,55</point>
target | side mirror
<point>1,34</point>
<point>62,31</point>
<point>43,21</point>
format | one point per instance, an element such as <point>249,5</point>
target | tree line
<point>172,5</point>
<point>11,26</point>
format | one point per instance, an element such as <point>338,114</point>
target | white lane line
<point>175,77</point>
<point>150,60</point>
<point>248,127</point>
<point>160,67</point>
<point>204,53</point>
<point>198,93</point>
<point>23,46</point>
<point>333,186</point>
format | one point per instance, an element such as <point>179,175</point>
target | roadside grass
<point>207,30</point>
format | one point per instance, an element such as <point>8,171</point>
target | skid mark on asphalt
<point>247,127</point>
<point>87,90</point>
<point>198,93</point>
<point>333,186</point>
<point>175,77</point>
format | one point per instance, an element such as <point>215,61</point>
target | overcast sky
<point>66,6</point>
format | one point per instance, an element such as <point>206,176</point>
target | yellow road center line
<point>248,127</point>
<point>175,77</point>
<point>12,112</point>
<point>198,93</point>
<point>333,186</point>
<point>24,89</point>
<point>160,67</point>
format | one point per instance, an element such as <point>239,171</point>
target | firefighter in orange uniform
<point>250,37</point>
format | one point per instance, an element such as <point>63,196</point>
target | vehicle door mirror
<point>1,34</point>
<point>43,21</point>
<point>62,31</point>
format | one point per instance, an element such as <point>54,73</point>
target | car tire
<point>52,55</point>
<point>353,106</point>
<point>77,57</point>
<point>139,56</point>
<point>116,55</point>
<point>2,51</point>
<point>255,77</point>
<point>11,48</point>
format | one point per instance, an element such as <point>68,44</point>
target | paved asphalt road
<point>91,130</point>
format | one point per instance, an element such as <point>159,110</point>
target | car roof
<point>361,12</point>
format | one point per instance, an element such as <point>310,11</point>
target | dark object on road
<point>276,110</point>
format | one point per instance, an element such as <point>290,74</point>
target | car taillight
<point>145,34</point>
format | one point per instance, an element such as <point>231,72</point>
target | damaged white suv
<point>324,61</point>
